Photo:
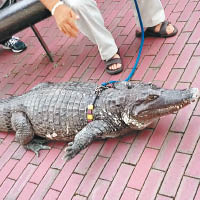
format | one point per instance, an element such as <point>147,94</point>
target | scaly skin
<point>58,111</point>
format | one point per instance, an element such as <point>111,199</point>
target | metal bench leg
<point>42,42</point>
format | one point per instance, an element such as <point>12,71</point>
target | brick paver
<point>174,175</point>
<point>187,188</point>
<point>158,163</point>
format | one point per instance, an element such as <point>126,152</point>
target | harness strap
<point>90,106</point>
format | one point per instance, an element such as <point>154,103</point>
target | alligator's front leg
<point>85,137</point>
<point>25,134</point>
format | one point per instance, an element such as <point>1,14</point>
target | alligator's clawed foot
<point>71,151</point>
<point>36,145</point>
<point>70,144</point>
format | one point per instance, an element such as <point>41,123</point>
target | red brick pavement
<point>161,162</point>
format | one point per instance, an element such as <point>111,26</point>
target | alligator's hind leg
<point>93,130</point>
<point>36,145</point>
<point>24,133</point>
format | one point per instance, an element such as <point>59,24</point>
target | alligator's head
<point>146,103</point>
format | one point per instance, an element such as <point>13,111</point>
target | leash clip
<point>100,88</point>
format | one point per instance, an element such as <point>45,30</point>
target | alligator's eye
<point>129,86</point>
<point>152,97</point>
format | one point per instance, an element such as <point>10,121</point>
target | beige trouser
<point>91,22</point>
<point>151,11</point>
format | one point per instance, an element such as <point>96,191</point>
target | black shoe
<point>15,45</point>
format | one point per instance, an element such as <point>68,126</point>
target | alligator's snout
<point>167,102</point>
<point>196,94</point>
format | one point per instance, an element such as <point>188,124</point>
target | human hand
<point>65,19</point>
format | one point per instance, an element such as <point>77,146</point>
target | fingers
<point>72,28</point>
<point>68,30</point>
<point>66,18</point>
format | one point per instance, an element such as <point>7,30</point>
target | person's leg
<point>13,43</point>
<point>91,24</point>
<point>151,11</point>
<point>4,41</point>
<point>153,15</point>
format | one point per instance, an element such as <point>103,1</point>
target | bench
<point>23,14</point>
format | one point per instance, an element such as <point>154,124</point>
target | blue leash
<point>140,50</point>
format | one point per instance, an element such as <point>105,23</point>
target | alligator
<point>79,113</point>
